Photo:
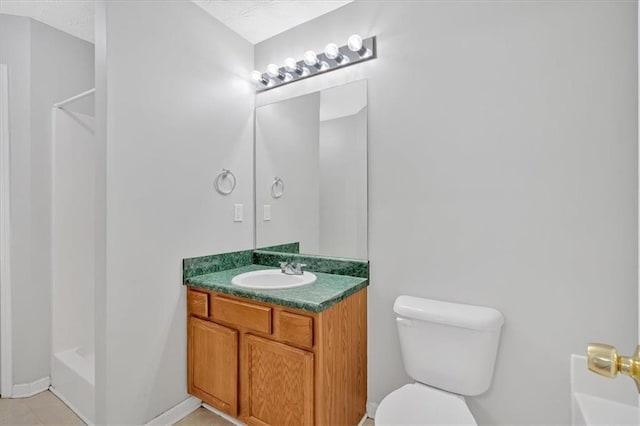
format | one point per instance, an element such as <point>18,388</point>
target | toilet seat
<point>418,404</point>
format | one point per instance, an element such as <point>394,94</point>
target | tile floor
<point>41,409</point>
<point>45,409</point>
<point>202,417</point>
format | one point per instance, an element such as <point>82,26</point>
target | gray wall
<point>45,66</point>
<point>15,42</point>
<point>179,108</point>
<point>512,130</point>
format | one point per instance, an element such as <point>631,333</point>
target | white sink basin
<point>272,279</point>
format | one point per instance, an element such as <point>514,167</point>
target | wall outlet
<point>267,212</point>
<point>238,212</point>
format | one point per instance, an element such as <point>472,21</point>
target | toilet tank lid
<point>454,314</point>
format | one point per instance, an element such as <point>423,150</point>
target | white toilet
<point>450,350</point>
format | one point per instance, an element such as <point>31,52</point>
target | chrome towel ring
<point>277,187</point>
<point>219,183</point>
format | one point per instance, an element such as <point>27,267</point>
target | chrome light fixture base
<point>323,65</point>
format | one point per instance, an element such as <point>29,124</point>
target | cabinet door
<point>277,384</point>
<point>213,364</point>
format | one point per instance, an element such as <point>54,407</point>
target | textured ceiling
<point>258,20</point>
<point>255,20</point>
<point>71,16</point>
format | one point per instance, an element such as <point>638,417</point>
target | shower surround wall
<point>45,66</point>
<point>73,260</point>
<point>179,109</point>
<point>502,172</point>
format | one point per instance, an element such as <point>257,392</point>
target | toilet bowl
<point>450,350</point>
<point>418,404</point>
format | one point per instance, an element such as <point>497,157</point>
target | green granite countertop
<point>328,289</point>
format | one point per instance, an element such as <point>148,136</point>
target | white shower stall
<point>73,258</point>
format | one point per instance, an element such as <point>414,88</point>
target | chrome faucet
<point>292,268</point>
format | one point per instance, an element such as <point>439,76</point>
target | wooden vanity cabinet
<point>213,364</point>
<point>279,383</point>
<point>270,365</point>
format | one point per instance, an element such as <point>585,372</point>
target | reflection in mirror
<point>311,172</point>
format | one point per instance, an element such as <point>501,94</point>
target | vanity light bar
<point>355,51</point>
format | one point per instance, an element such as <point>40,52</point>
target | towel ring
<point>277,187</point>
<point>221,178</point>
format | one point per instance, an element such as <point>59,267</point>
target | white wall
<point>512,128</point>
<point>287,135</point>
<point>180,108</point>
<point>45,66</point>
<point>100,194</point>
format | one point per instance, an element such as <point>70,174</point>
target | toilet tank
<point>446,345</point>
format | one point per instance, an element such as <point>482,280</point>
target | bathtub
<point>73,381</point>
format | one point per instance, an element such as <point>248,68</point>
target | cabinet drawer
<point>294,328</point>
<point>242,314</point>
<point>198,303</point>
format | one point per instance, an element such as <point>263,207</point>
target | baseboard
<point>372,407</point>
<point>363,419</point>
<point>177,413</point>
<point>71,406</point>
<point>25,390</point>
<point>223,415</point>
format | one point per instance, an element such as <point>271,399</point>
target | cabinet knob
<point>604,360</point>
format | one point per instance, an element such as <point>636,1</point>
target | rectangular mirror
<point>311,172</point>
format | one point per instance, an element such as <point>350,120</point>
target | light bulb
<point>273,71</point>
<point>310,58</point>
<point>291,65</point>
<point>257,76</point>
<point>332,51</point>
<point>354,43</point>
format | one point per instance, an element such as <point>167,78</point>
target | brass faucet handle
<point>604,360</point>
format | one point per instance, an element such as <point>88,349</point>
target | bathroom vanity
<point>291,356</point>
<point>279,357</point>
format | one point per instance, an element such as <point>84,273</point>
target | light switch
<point>237,212</point>
<point>267,212</point>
